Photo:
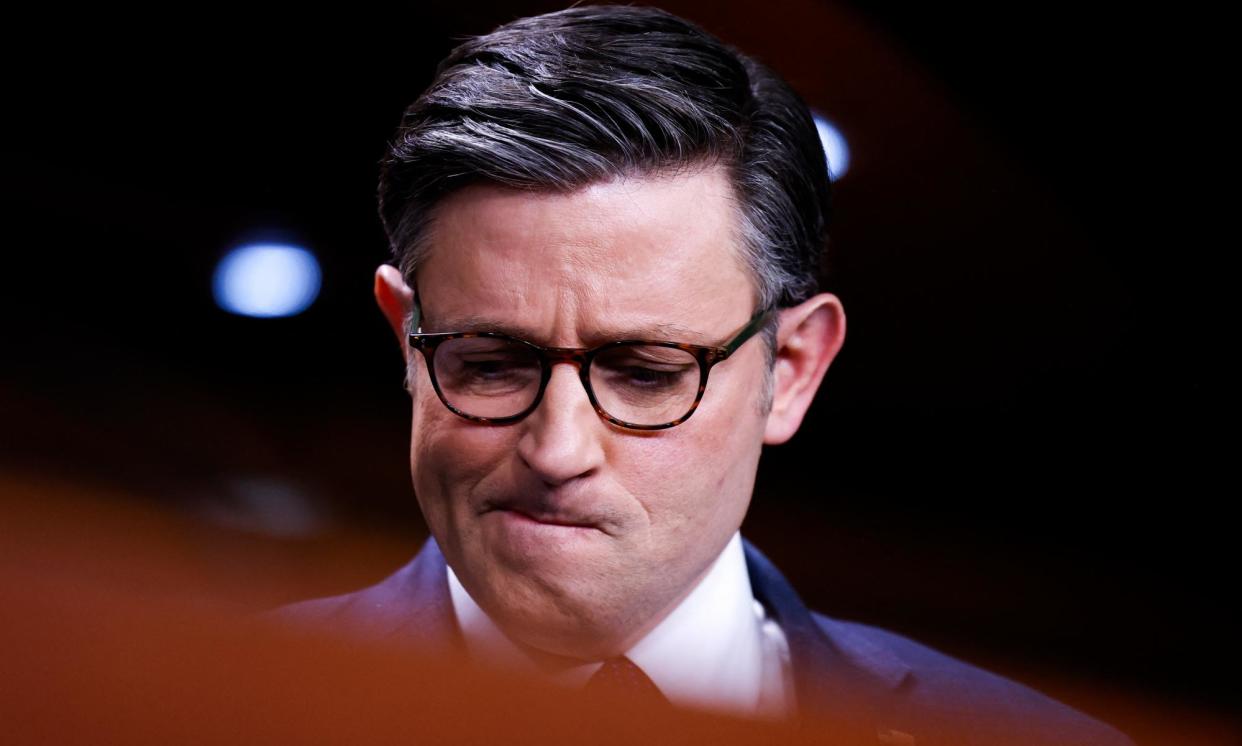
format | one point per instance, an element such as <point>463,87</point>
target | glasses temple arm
<point>756,323</point>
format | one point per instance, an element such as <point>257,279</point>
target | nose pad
<point>566,389</point>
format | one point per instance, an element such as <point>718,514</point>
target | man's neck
<point>710,648</point>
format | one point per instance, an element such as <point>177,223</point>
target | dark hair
<point>562,100</point>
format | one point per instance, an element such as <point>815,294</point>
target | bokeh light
<point>267,280</point>
<point>837,152</point>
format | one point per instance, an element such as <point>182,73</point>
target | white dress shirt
<point>716,650</point>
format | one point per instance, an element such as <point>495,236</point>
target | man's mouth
<point>549,520</point>
<point>522,511</point>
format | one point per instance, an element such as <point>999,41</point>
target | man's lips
<point>550,520</point>
<point>540,515</point>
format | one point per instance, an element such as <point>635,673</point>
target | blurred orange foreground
<point>113,630</point>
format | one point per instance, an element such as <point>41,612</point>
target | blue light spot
<point>266,281</point>
<point>835,149</point>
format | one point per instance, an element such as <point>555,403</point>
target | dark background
<point>1014,458</point>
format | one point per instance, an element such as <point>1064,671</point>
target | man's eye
<point>653,377</point>
<point>645,376</point>
<point>493,368</point>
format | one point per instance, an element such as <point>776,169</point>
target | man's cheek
<point>432,438</point>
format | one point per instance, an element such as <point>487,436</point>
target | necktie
<point>621,681</point>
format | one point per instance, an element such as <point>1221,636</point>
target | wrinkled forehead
<point>703,198</point>
<point>642,250</point>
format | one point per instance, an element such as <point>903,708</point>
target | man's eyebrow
<point>655,332</point>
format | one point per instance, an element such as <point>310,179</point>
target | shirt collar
<point>708,652</point>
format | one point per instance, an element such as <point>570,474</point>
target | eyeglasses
<point>494,378</point>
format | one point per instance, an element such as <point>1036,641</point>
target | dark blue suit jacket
<point>897,690</point>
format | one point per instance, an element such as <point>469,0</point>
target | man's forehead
<point>652,257</point>
<point>597,333</point>
<point>626,201</point>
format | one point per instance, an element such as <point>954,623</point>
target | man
<point>608,229</point>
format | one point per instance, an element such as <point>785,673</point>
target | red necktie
<point>620,680</point>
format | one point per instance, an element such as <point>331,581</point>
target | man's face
<point>575,535</point>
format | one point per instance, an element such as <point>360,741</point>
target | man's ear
<point>809,337</point>
<point>396,301</point>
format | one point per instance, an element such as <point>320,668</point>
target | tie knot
<point>621,680</point>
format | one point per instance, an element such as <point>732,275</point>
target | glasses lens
<point>487,377</point>
<point>645,384</point>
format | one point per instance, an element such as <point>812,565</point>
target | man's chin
<point>565,614</point>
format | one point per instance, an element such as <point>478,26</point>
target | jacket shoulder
<point>409,607</point>
<point>355,612</point>
<point>940,689</point>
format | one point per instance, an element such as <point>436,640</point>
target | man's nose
<point>562,438</point>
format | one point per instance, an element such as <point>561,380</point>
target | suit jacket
<point>891,688</point>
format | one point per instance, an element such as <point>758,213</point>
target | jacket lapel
<point>412,606</point>
<point>830,685</point>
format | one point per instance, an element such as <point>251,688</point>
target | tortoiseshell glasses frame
<point>582,357</point>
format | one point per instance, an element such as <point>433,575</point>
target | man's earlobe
<point>809,337</point>
<point>395,299</point>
